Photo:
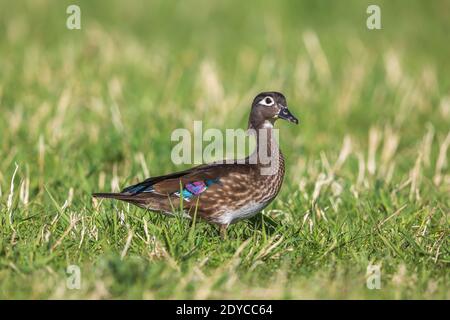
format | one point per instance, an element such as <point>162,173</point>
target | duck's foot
<point>223,231</point>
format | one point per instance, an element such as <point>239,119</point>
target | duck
<point>222,192</point>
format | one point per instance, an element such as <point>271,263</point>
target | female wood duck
<point>222,193</point>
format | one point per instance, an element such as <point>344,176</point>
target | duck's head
<point>267,107</point>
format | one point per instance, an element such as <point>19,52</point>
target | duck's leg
<point>223,231</point>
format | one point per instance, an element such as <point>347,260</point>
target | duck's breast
<point>244,212</point>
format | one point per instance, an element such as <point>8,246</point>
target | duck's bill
<point>287,115</point>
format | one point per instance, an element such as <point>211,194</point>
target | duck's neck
<point>267,152</point>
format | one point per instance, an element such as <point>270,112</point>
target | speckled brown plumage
<point>222,193</point>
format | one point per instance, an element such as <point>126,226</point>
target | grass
<point>367,181</point>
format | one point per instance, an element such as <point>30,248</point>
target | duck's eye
<point>267,101</point>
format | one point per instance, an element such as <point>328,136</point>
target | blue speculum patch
<point>195,188</point>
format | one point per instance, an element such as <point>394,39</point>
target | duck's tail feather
<point>144,200</point>
<point>112,195</point>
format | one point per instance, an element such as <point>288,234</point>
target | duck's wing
<point>164,193</point>
<point>147,184</point>
<point>190,182</point>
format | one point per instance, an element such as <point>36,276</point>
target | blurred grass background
<point>92,109</point>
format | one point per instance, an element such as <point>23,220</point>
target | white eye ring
<point>267,101</point>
